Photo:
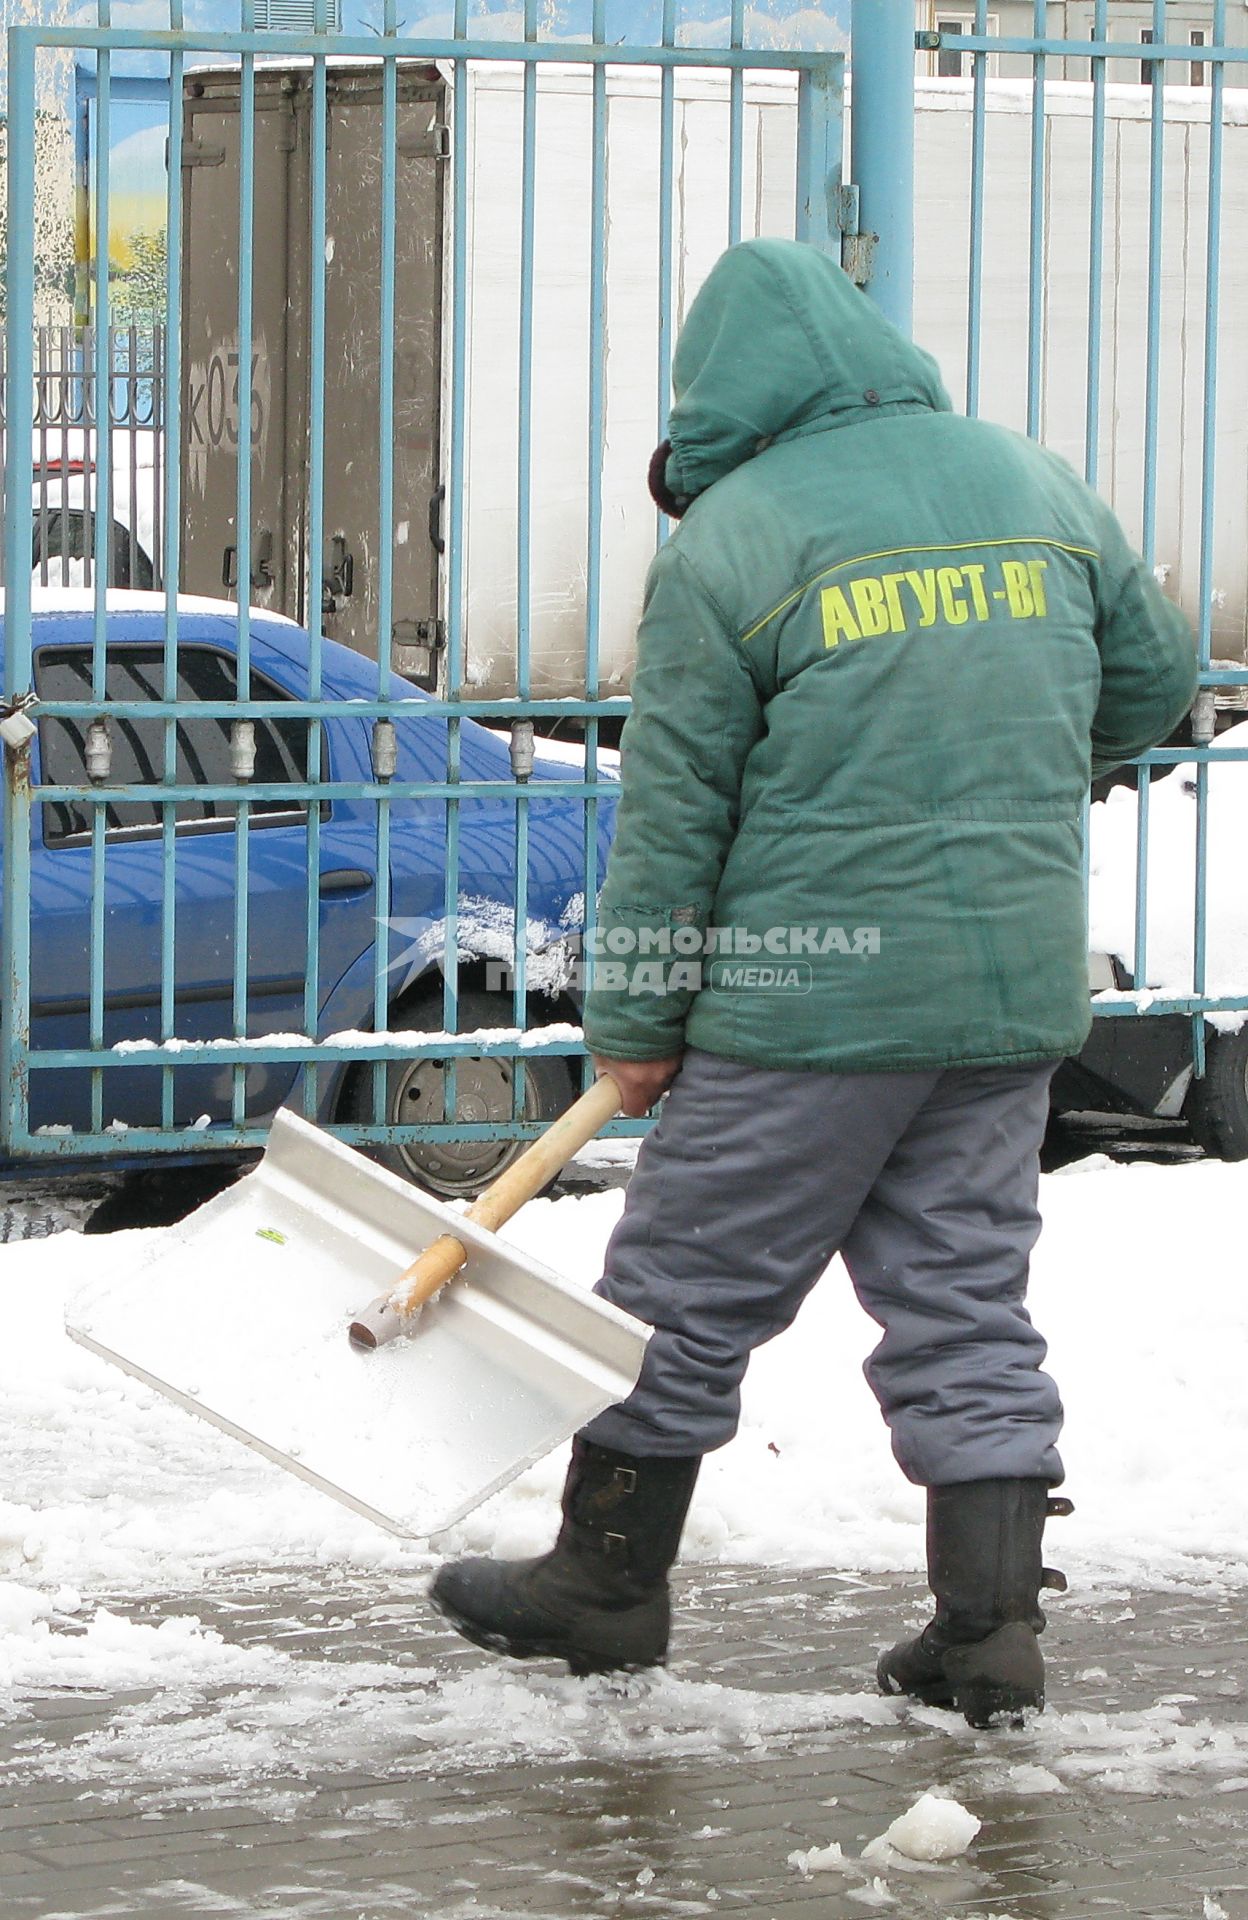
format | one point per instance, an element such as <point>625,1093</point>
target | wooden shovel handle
<point>534,1169</point>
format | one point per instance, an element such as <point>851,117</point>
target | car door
<point>205,875</point>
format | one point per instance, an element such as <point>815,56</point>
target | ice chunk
<point>21,1608</point>
<point>934,1828</point>
<point>827,1859</point>
<point>875,1895</point>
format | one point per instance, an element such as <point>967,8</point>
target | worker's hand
<point>641,1082</point>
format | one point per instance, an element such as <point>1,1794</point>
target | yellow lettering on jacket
<point>873,604</point>
<point>870,605</point>
<point>949,581</point>
<point>923,586</point>
<point>838,622</point>
<point>1018,591</point>
<point>975,579</point>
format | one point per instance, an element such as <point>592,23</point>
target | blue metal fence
<point>424,764</point>
<point>387,818</point>
<point>1167,64</point>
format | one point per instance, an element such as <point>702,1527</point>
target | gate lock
<point>17,729</point>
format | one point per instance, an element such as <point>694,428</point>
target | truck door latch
<point>338,582</point>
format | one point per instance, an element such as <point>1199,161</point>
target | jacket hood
<point>779,338</point>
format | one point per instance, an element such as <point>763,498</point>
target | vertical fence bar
<point>667,170</point>
<point>882,134</point>
<point>1213,281</point>
<point>597,342</point>
<point>1035,252</point>
<point>242,533</point>
<point>19,422</point>
<point>524,458</point>
<point>103,541</point>
<point>455,543</point>
<point>101,491</point>
<point>1152,364</point>
<point>818,159</point>
<point>736,124</point>
<point>975,265</point>
<point>524,540</point>
<point>1096,253</point>
<point>170,482</point>
<point>319,136</point>
<point>1139,975</point>
<point>385,517</point>
<point>1208,485</point>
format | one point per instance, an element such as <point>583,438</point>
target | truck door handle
<point>346,880</point>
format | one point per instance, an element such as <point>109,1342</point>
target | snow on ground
<point>1137,1282</point>
<point>214,1719</point>
<point>1172,878</point>
<point>108,1488</point>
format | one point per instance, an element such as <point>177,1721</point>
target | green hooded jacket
<point>881,657</point>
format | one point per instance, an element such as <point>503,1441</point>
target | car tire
<point>1217,1106</point>
<point>451,1169</point>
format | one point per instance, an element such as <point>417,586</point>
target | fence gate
<point>340,841</point>
<point>418,310</point>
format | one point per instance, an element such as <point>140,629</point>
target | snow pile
<point>934,1829</point>
<point>1172,879</point>
<point>36,1651</point>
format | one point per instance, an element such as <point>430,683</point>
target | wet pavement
<point>322,1746</point>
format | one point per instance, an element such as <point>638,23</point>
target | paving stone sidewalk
<point>375,1767</point>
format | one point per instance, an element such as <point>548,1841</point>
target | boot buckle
<point>614,1543</point>
<point>626,1479</point>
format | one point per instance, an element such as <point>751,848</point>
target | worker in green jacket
<point>882,655</point>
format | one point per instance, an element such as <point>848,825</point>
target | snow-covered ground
<point>1137,1283</point>
<point>110,1490</point>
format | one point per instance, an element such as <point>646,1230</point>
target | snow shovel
<point>241,1313</point>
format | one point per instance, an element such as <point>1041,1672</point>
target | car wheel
<point>1217,1106</point>
<point>453,1169</point>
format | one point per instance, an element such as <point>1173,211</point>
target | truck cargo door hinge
<point>857,248</point>
<point>430,143</point>
<point>415,648</point>
<point>200,153</point>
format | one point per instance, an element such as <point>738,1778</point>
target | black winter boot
<point>599,1599</point>
<point>980,1652</point>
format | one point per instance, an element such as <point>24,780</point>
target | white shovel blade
<point>240,1314</point>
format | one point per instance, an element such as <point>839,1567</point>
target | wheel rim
<point>483,1093</point>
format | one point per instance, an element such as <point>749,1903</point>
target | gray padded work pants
<point>925,1183</point>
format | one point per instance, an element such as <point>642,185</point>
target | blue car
<point>205,870</point>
